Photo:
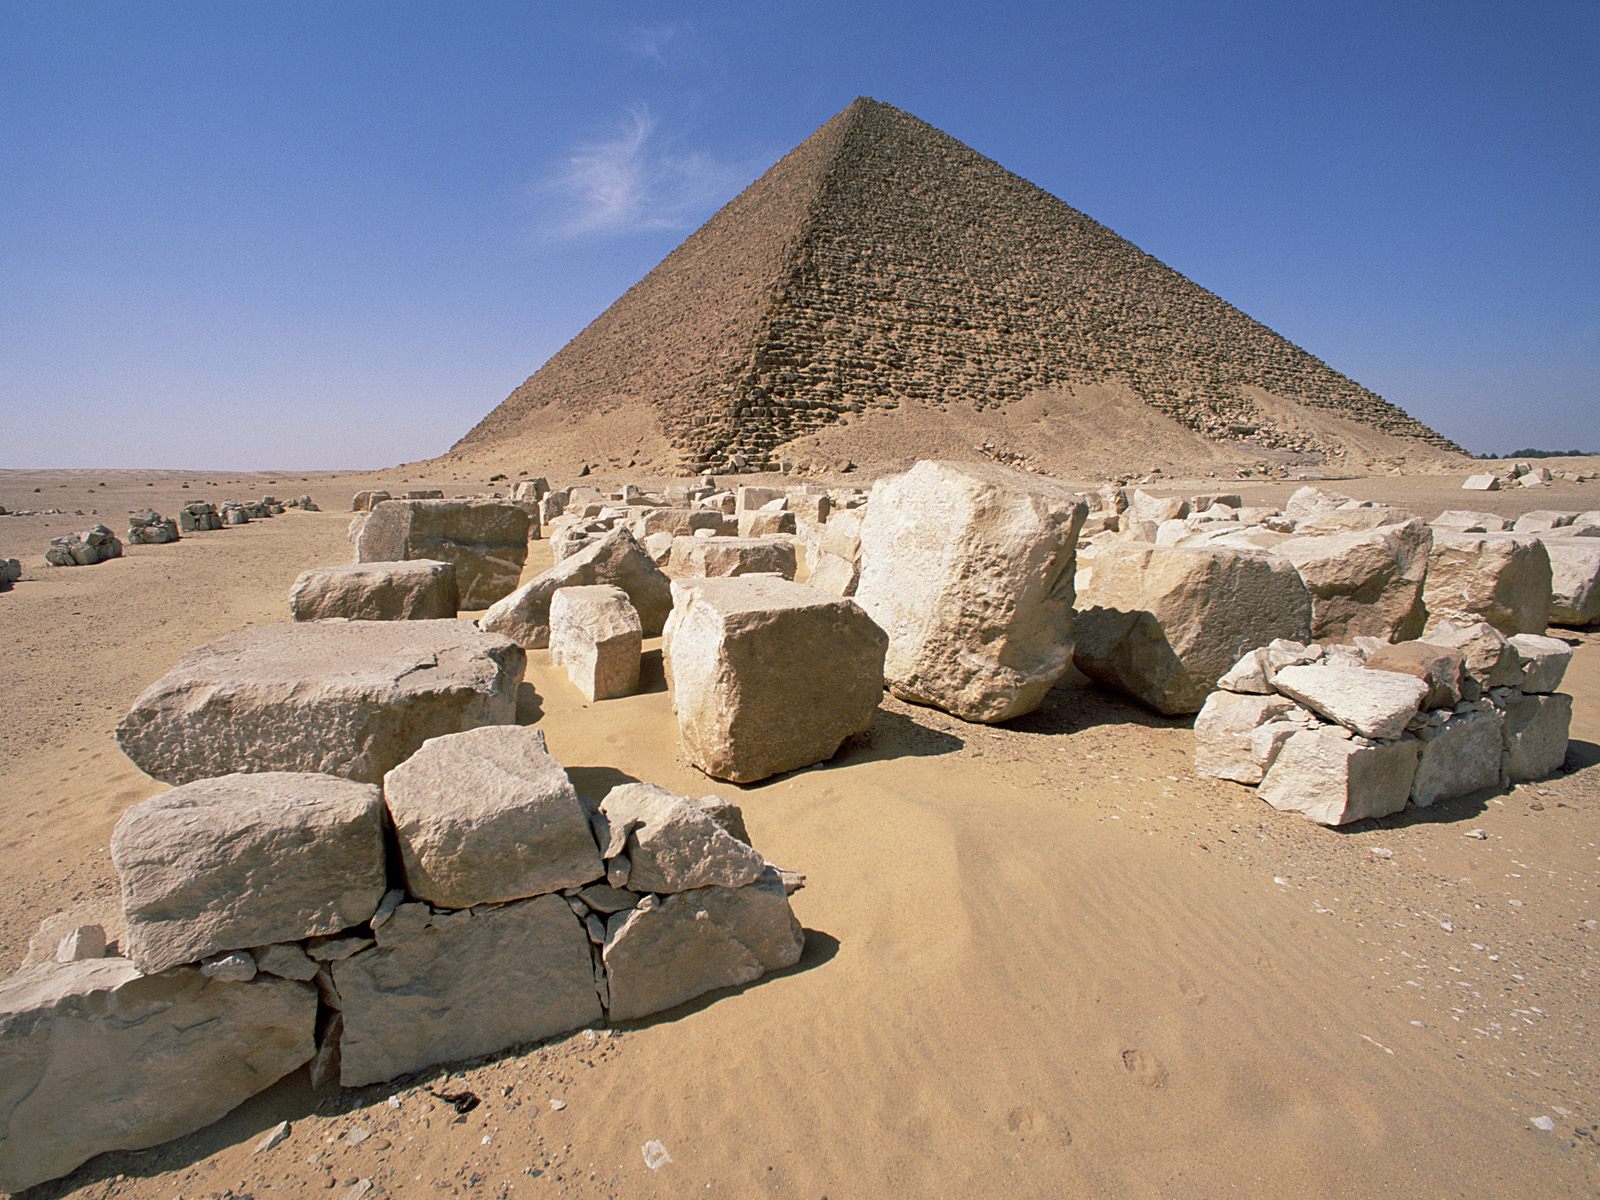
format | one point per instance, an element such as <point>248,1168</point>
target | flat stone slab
<point>471,983</point>
<point>247,860</point>
<point>421,590</point>
<point>487,816</point>
<point>342,698</point>
<point>98,1057</point>
<point>1375,704</point>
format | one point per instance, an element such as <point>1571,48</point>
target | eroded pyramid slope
<point>882,263</point>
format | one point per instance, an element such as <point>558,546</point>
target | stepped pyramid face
<point>882,263</point>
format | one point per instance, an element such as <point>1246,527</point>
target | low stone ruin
<point>198,516</point>
<point>419,590</point>
<point>1345,732</point>
<point>767,675</point>
<point>150,528</point>
<point>485,540</point>
<point>94,545</point>
<point>346,698</point>
<point>268,926</point>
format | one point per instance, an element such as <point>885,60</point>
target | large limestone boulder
<point>1364,583</point>
<point>1375,704</point>
<point>487,816</point>
<point>423,590</point>
<point>1163,623</point>
<point>676,843</point>
<point>1335,780</point>
<point>1488,656</point>
<point>1574,580</point>
<point>1460,754</point>
<point>465,984</point>
<point>767,675</point>
<point>728,556</point>
<point>98,1057</point>
<point>486,540</point>
<point>1501,578</point>
<point>595,634</point>
<point>1544,661</point>
<point>247,860</point>
<point>1224,742</point>
<point>969,569</point>
<point>664,952</point>
<point>343,698</point>
<point>616,559</point>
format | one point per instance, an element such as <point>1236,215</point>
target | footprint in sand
<point>1145,1068</point>
<point>1029,1124</point>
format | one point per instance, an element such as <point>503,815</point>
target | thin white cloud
<point>649,42</point>
<point>638,179</point>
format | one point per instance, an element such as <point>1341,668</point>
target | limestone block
<point>617,559</point>
<point>422,590</point>
<point>833,574</point>
<point>1162,624</point>
<point>1536,732</point>
<point>675,843</point>
<point>764,523</point>
<point>1542,520</point>
<point>1364,583</point>
<point>1481,483</point>
<point>486,540</point>
<point>750,498</point>
<point>1222,742</point>
<point>1462,755</point>
<point>679,522</point>
<point>471,983</point>
<point>1142,506</point>
<point>1375,704</point>
<point>718,557</point>
<point>98,1057</point>
<point>1440,667</point>
<point>487,816</point>
<point>1544,661</point>
<point>1501,578</point>
<point>1488,656</point>
<point>969,569</point>
<point>665,952</point>
<point>595,634</point>
<point>1574,580</point>
<point>366,501</point>
<point>841,536</point>
<point>1466,520</point>
<point>1334,781</point>
<point>768,675</point>
<point>344,698</point>
<point>246,860</point>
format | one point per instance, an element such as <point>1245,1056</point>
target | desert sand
<point>1043,959</point>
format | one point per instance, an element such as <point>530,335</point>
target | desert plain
<point>1043,958</point>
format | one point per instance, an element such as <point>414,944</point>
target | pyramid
<point>882,263</point>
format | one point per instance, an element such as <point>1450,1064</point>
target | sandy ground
<point>1042,960</point>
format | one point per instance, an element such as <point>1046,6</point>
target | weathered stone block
<point>616,559</point>
<point>486,541</point>
<point>487,816</point>
<point>344,698</point>
<point>1334,781</point>
<point>768,675</point>
<point>595,634</point>
<point>247,860</point>
<point>422,590</point>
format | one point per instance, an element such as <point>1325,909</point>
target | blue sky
<point>295,234</point>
